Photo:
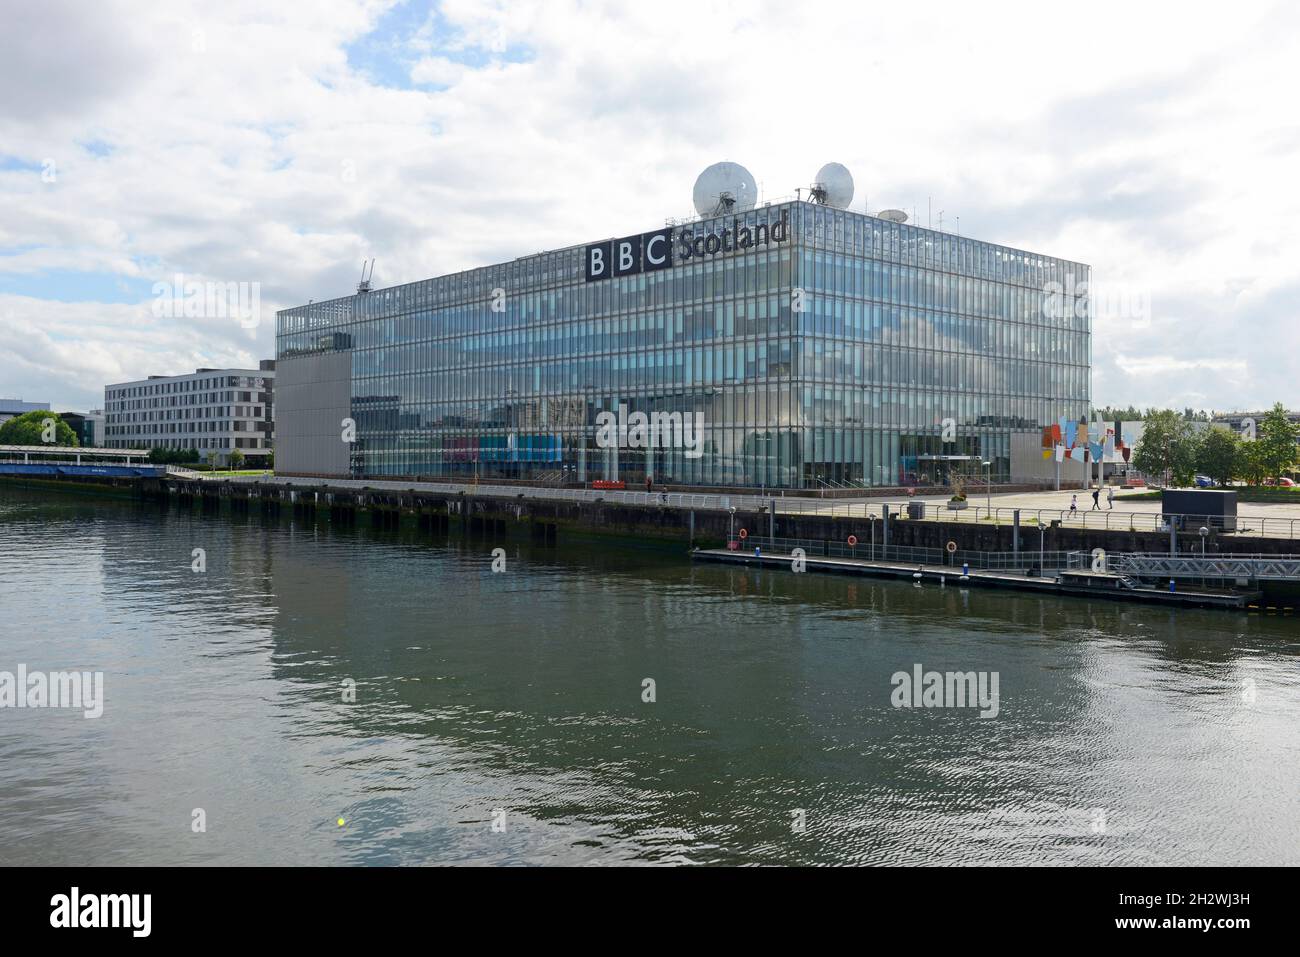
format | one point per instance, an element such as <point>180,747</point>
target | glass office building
<point>812,345</point>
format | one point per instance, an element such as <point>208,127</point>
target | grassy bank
<point>1245,493</point>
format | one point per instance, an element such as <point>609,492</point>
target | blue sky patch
<point>13,163</point>
<point>387,54</point>
<point>67,285</point>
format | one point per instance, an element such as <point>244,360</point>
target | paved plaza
<point>1273,519</point>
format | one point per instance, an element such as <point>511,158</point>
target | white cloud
<point>437,71</point>
<point>67,352</point>
<point>1155,365</point>
<point>238,143</point>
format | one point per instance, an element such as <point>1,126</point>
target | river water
<point>501,717</point>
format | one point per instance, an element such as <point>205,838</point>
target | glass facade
<point>856,351</point>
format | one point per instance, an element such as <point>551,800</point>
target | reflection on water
<point>1126,733</point>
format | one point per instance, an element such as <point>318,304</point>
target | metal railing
<point>181,472</point>
<point>71,459</point>
<point>915,555</point>
<point>1254,567</point>
<point>1103,519</point>
<point>87,462</point>
<point>1250,567</point>
<point>684,500</point>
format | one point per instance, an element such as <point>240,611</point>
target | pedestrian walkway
<point>1081,583</point>
<point>1269,520</point>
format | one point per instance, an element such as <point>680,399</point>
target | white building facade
<point>213,411</point>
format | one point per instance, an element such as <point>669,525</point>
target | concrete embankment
<point>549,520</point>
<point>511,512</point>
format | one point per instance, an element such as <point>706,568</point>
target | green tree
<point>32,428</point>
<point>1250,462</point>
<point>1116,414</point>
<point>1168,446</point>
<point>162,456</point>
<point>1218,454</point>
<point>1185,455</point>
<point>236,459</point>
<point>1277,441</point>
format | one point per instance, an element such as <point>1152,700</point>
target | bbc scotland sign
<point>652,251</point>
<point>625,257</point>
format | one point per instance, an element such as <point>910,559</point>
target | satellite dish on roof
<point>833,186</point>
<point>893,215</point>
<point>724,188</point>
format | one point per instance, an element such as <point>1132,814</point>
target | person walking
<point>1074,504</point>
<point>1096,506</point>
<point>1110,497</point>
<point>649,485</point>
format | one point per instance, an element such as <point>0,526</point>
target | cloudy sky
<point>281,144</point>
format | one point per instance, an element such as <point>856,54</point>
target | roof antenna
<point>722,189</point>
<point>832,187</point>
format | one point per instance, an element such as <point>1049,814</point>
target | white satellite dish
<point>724,188</point>
<point>833,186</point>
<point>893,215</point>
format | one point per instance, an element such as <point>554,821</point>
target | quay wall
<point>554,519</point>
<point>698,527</point>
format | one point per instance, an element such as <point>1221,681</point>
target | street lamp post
<point>988,485</point>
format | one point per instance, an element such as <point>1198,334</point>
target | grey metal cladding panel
<point>313,395</point>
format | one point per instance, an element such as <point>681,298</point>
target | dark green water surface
<point>1126,734</point>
